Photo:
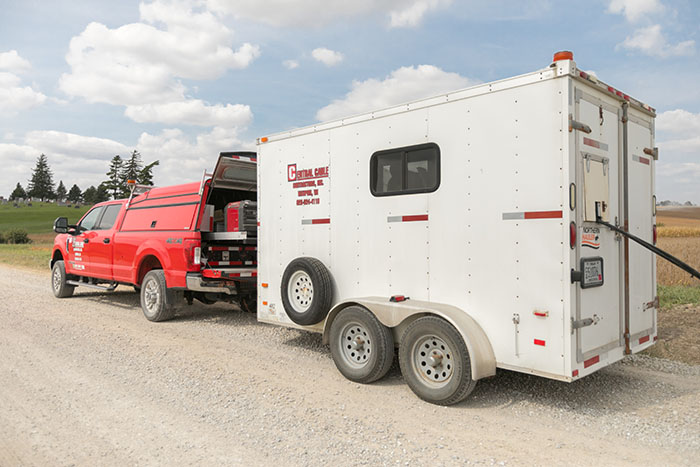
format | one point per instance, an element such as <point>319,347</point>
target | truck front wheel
<point>58,281</point>
<point>435,361</point>
<point>362,347</point>
<point>157,301</point>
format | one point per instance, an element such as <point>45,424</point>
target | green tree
<point>115,178</point>
<point>18,193</point>
<point>146,174</point>
<point>75,195</point>
<point>41,184</point>
<point>101,194</point>
<point>61,191</point>
<point>89,195</point>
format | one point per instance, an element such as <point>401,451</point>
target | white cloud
<point>634,10</point>
<point>191,112</point>
<point>326,56</point>
<point>11,61</point>
<point>290,64</point>
<point>412,14</point>
<point>140,65</point>
<point>402,85</point>
<point>14,97</point>
<point>72,145</point>
<point>651,41</point>
<point>314,13</point>
<point>679,122</point>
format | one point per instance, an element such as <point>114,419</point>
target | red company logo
<point>291,172</point>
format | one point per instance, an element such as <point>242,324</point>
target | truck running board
<point>106,288</point>
<point>668,257</point>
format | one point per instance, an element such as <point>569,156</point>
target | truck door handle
<point>105,240</point>
<point>87,240</point>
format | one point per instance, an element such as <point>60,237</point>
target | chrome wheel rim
<point>356,345</point>
<point>151,296</point>
<point>56,279</point>
<point>433,360</point>
<point>300,291</point>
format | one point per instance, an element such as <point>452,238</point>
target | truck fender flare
<point>149,249</point>
<point>399,315</point>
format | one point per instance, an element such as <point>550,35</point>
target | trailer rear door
<point>641,221</point>
<point>599,312</point>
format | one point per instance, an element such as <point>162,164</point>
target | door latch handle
<point>87,240</point>
<point>105,240</point>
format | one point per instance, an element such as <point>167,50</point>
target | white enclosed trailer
<point>462,230</point>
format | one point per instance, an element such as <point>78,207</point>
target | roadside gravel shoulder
<point>88,380</point>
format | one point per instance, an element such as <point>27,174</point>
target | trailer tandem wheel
<point>306,291</point>
<point>362,347</point>
<point>435,361</point>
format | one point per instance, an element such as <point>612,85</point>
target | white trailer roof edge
<point>555,70</point>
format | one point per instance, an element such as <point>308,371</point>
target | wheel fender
<point>391,314</point>
<point>150,248</point>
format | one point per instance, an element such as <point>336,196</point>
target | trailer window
<point>413,169</point>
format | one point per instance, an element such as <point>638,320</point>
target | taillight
<point>572,235</point>
<point>654,234</point>
<point>193,254</point>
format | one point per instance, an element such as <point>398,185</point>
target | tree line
<point>41,184</point>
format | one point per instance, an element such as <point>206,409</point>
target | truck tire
<point>362,347</point>
<point>157,301</point>
<point>435,361</point>
<point>58,281</point>
<point>307,292</point>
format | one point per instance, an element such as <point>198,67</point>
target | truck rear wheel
<point>361,346</point>
<point>435,361</point>
<point>157,301</point>
<point>58,281</point>
<point>307,292</point>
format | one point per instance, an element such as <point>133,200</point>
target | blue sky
<point>180,81</point>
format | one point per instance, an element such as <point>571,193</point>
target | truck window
<point>109,216</point>
<point>91,218</point>
<point>407,170</point>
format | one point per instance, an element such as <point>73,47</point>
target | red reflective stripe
<point>540,314</point>
<point>591,142</point>
<point>539,342</point>
<point>644,160</point>
<point>321,221</point>
<point>591,361</point>
<point>644,339</point>
<point>574,373</point>
<point>419,217</point>
<point>543,215</point>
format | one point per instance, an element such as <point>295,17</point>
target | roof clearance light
<point>131,182</point>
<point>263,139</point>
<point>563,55</point>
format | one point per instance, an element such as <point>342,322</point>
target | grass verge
<point>34,256</point>
<point>670,295</point>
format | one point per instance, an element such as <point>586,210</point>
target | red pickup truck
<point>173,244</point>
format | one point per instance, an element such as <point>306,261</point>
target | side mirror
<point>60,225</point>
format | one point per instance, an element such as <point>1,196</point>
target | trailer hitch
<point>658,251</point>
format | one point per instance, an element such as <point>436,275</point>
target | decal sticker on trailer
<point>591,237</point>
<point>309,183</point>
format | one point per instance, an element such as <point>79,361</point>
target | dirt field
<point>88,381</point>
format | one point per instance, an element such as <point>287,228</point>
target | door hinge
<point>582,323</point>
<point>574,125</point>
<point>652,304</point>
<point>652,152</point>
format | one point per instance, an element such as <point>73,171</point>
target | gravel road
<point>88,381</point>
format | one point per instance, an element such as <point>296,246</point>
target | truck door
<point>99,259</point>
<point>642,264</point>
<point>79,250</point>
<point>599,314</point>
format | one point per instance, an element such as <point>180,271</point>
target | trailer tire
<point>307,291</point>
<point>435,361</point>
<point>157,301</point>
<point>58,281</point>
<point>362,347</point>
